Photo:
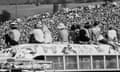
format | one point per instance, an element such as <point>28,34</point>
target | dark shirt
<point>33,40</point>
<point>9,41</point>
<point>82,36</point>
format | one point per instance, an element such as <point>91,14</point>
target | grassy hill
<point>28,10</point>
<point>2,2</point>
<point>46,1</point>
<point>25,10</point>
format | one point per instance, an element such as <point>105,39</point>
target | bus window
<point>71,62</point>
<point>84,62</point>
<point>98,62</point>
<point>57,62</point>
<point>111,62</point>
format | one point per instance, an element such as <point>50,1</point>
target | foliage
<point>5,16</point>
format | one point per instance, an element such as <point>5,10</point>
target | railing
<point>74,63</point>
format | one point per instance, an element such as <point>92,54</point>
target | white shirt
<point>100,37</point>
<point>47,34</point>
<point>112,34</point>
<point>48,37</point>
<point>96,30</point>
<point>64,35</point>
<point>16,34</point>
<point>38,34</point>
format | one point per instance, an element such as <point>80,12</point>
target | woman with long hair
<point>47,34</point>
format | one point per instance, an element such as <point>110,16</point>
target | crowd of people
<point>92,24</point>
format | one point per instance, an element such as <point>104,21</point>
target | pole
<point>37,3</point>
<point>16,8</point>
<point>55,7</point>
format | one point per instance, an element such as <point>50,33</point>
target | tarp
<point>32,50</point>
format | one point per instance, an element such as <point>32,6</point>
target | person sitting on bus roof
<point>96,30</point>
<point>37,35</point>
<point>13,36</point>
<point>47,34</point>
<point>63,32</point>
<point>112,34</point>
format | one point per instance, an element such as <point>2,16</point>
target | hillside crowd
<point>85,24</point>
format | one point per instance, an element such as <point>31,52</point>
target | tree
<point>63,3</point>
<point>55,7</point>
<point>56,4</point>
<point>5,16</point>
<point>37,3</point>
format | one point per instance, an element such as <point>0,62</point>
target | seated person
<point>76,36</point>
<point>112,34</point>
<point>83,38</point>
<point>13,36</point>
<point>63,33</point>
<point>96,30</point>
<point>9,41</point>
<point>37,35</point>
<point>74,32</point>
<point>31,38</point>
<point>102,40</point>
<point>47,34</point>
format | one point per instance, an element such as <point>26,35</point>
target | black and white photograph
<point>59,35</point>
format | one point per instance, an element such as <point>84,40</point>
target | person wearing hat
<point>63,32</point>
<point>37,35</point>
<point>13,36</point>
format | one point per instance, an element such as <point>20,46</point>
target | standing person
<point>37,35</point>
<point>63,32</point>
<point>47,34</point>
